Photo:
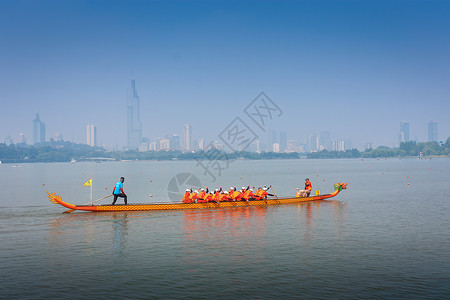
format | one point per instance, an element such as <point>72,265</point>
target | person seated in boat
<point>298,193</point>
<point>248,195</point>
<point>193,196</point>
<point>210,197</point>
<point>258,193</point>
<point>118,191</point>
<point>202,194</point>
<point>243,191</point>
<point>216,195</point>
<point>236,195</point>
<point>308,188</point>
<point>223,197</point>
<point>231,190</point>
<point>264,194</point>
<point>186,195</point>
<point>204,198</point>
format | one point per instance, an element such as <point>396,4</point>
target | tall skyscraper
<point>432,131</point>
<point>313,143</point>
<point>404,132</point>
<point>91,135</point>
<point>38,131</point>
<point>134,125</point>
<point>187,137</point>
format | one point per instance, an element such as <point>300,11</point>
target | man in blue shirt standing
<point>118,191</point>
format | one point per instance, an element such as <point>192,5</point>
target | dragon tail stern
<point>56,199</point>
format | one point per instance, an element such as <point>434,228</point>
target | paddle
<point>71,210</point>
<point>98,199</point>
<point>275,194</point>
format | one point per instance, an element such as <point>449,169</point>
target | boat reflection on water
<point>308,210</point>
<point>120,231</point>
<point>90,226</point>
<point>226,234</point>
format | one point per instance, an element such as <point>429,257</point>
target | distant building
<point>187,137</point>
<point>134,125</point>
<point>272,137</point>
<point>21,139</point>
<point>283,142</point>
<point>91,135</point>
<point>404,132</point>
<point>324,140</point>
<point>368,146</point>
<point>58,137</point>
<point>143,147</point>
<point>152,146</point>
<point>432,131</point>
<point>276,147</point>
<point>201,144</point>
<point>174,142</point>
<point>38,131</point>
<point>314,143</point>
<point>164,144</point>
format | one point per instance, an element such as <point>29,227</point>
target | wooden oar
<point>274,192</point>
<point>71,210</point>
<point>98,200</point>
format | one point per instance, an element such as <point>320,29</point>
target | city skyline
<point>276,142</point>
<point>356,68</point>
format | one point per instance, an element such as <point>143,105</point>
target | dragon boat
<point>55,198</point>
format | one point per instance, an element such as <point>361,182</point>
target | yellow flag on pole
<point>88,183</point>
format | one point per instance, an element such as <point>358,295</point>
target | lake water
<point>386,236</point>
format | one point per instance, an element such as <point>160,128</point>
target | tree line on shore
<point>67,151</point>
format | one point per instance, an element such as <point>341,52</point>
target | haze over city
<point>354,69</point>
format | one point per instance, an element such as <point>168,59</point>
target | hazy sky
<point>355,68</point>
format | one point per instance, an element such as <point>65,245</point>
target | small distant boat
<point>55,198</point>
<point>73,161</point>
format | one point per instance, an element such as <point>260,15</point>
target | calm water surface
<point>387,236</point>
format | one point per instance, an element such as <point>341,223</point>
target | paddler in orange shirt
<point>236,196</point>
<point>186,195</point>
<point>193,197</point>
<point>201,195</point>
<point>223,197</point>
<point>308,188</point>
<point>248,195</point>
<point>216,195</point>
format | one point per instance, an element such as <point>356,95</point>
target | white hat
<point>202,189</point>
<point>265,189</point>
<point>226,192</point>
<point>243,187</point>
<point>188,190</point>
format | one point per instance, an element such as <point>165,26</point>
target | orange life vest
<point>193,197</point>
<point>248,194</point>
<point>186,197</point>
<point>223,197</point>
<point>236,196</point>
<point>308,185</point>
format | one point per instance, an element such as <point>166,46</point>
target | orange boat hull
<point>55,198</point>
